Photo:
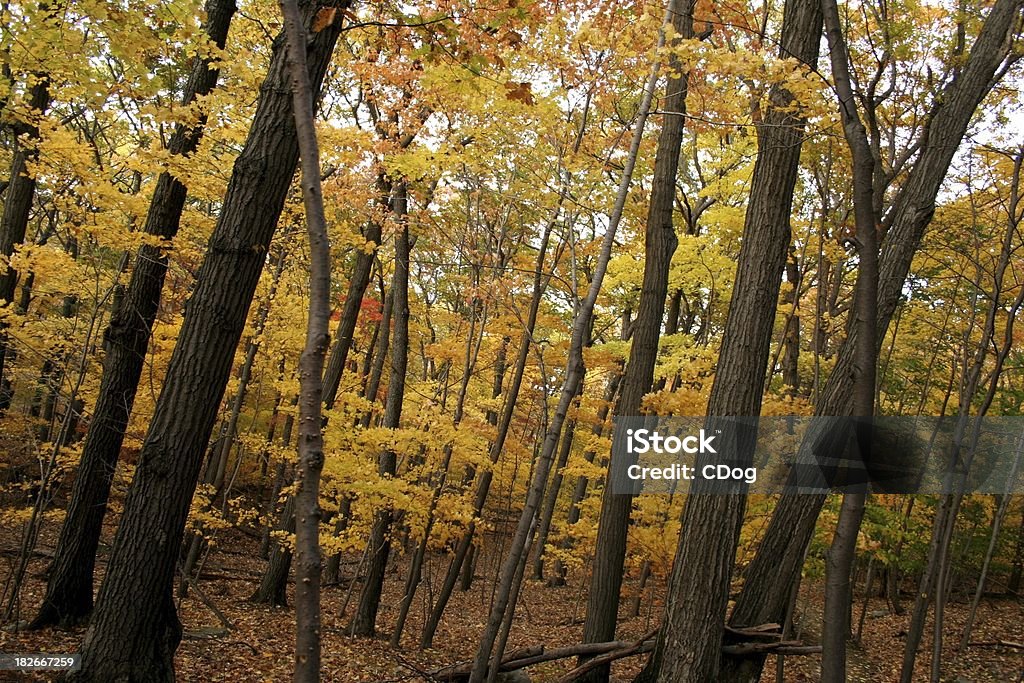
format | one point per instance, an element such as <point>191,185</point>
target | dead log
<point>644,644</point>
<point>997,643</point>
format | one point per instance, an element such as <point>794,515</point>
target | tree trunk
<point>21,190</point>
<point>217,464</point>
<point>660,243</point>
<point>778,561</point>
<point>689,643</point>
<point>551,499</point>
<point>353,301</point>
<point>135,630</point>
<point>839,560</point>
<point>69,588</point>
<point>364,623</point>
<point>273,588</point>
<point>311,362</point>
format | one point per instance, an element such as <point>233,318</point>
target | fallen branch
<point>997,643</point>
<point>460,671</point>
<point>783,647</point>
<point>641,646</point>
<point>763,632</point>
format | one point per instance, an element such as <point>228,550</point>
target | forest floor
<point>258,644</point>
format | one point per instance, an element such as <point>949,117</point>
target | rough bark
<point>778,561</point>
<point>135,628</point>
<point>69,591</point>
<point>688,647</point>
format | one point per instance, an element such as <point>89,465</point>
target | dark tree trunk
<point>660,243</point>
<point>273,588</point>
<point>134,629</point>
<point>311,362</point>
<point>551,497</point>
<point>364,622</point>
<point>69,589</point>
<point>697,617</point>
<point>353,300</point>
<point>839,560</point>
<point>21,190</point>
<point>779,558</point>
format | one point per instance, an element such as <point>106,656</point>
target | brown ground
<point>258,647</point>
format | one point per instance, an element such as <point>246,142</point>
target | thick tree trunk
<point>134,630</point>
<point>364,622</point>
<point>69,588</point>
<point>777,564</point>
<point>660,243</point>
<point>689,643</point>
<point>217,464</point>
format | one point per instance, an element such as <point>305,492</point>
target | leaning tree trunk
<point>135,628</point>
<point>689,643</point>
<point>778,561</point>
<point>69,588</point>
<point>364,622</point>
<point>660,243</point>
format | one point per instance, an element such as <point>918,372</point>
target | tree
<point>20,190</point>
<point>311,364</point>
<point>485,663</point>
<point>70,583</point>
<point>839,563</point>
<point>697,617</point>
<point>135,605</point>
<point>660,243</point>
<point>776,566</point>
<point>364,623</point>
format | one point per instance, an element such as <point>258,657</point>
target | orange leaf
<point>324,18</point>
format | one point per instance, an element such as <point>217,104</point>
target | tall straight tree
<point>776,566</point>
<point>660,244</point>
<point>839,562</point>
<point>311,364</point>
<point>688,647</point>
<point>364,623</point>
<point>135,628</point>
<point>69,587</point>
